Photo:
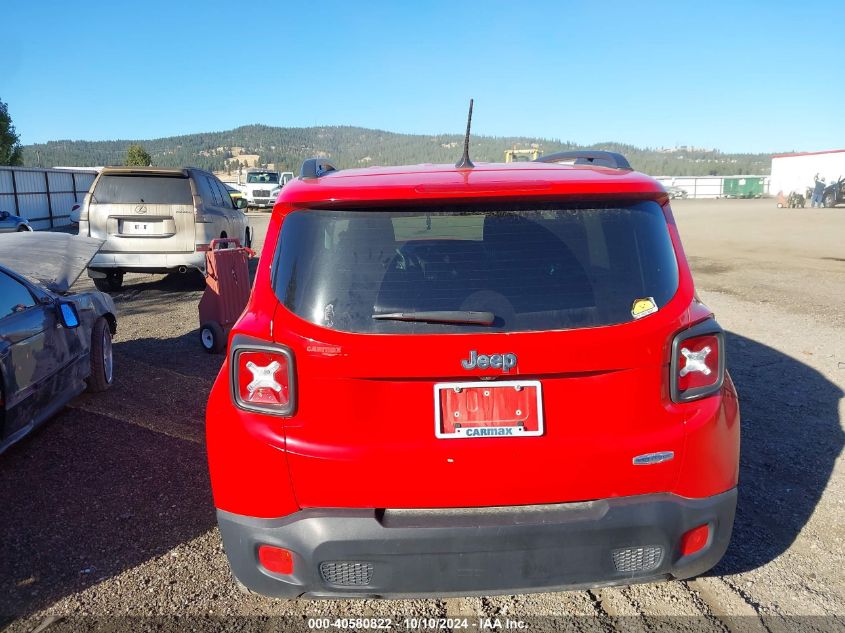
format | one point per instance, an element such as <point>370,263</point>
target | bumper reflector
<point>347,573</point>
<point>695,540</point>
<point>635,559</point>
<point>275,559</point>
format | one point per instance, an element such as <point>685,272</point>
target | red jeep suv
<point>473,380</point>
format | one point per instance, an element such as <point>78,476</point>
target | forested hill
<point>359,147</point>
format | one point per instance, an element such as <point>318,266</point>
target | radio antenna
<point>465,162</point>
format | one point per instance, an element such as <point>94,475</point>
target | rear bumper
<point>406,553</point>
<point>148,262</point>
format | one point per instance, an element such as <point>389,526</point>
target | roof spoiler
<point>596,157</point>
<point>315,167</point>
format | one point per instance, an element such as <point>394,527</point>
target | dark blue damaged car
<point>54,343</point>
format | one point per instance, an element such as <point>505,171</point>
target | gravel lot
<point>106,517</point>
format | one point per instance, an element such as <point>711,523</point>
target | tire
<point>23,228</point>
<point>212,337</point>
<point>112,282</point>
<point>102,360</point>
<point>248,238</point>
<point>830,201</point>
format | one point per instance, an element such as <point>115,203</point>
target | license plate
<point>131,227</point>
<point>470,410</point>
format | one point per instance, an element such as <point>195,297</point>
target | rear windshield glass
<point>537,268</point>
<point>263,177</point>
<point>148,189</point>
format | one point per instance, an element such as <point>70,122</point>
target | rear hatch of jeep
<point>486,354</point>
<point>143,212</point>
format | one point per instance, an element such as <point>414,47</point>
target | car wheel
<point>212,337</point>
<point>830,201</point>
<point>23,228</point>
<point>110,283</point>
<point>102,361</point>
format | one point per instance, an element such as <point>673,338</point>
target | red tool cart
<point>227,288</point>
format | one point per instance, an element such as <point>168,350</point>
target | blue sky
<point>745,76</point>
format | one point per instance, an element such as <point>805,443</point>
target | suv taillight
<point>262,378</point>
<point>697,368</point>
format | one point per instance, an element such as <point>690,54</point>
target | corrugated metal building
<point>43,196</point>
<point>795,172</point>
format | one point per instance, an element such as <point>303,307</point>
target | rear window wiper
<point>441,316</point>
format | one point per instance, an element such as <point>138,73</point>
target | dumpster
<point>227,288</point>
<point>743,187</point>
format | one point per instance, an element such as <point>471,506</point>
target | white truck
<point>263,186</point>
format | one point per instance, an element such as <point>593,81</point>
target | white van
<point>156,220</point>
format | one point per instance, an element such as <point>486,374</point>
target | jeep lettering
<point>505,362</point>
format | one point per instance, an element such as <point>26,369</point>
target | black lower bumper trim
<point>372,553</point>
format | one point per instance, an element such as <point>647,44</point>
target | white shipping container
<point>795,172</point>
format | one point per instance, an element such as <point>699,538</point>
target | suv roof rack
<point>597,157</point>
<point>316,167</point>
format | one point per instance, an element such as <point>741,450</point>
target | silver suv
<point>156,221</point>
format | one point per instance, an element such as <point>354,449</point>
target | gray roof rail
<point>596,157</point>
<point>316,167</point>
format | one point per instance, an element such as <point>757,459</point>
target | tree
<point>10,146</point>
<point>137,156</point>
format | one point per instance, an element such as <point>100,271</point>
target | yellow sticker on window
<point>643,307</point>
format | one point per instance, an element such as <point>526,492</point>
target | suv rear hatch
<point>143,212</point>
<point>479,355</point>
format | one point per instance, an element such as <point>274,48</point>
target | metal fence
<point>43,196</point>
<point>718,186</point>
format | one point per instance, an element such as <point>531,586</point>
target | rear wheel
<point>23,228</point>
<point>830,201</point>
<point>110,283</point>
<point>212,337</point>
<point>102,362</point>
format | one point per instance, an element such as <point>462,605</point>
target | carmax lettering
<point>489,432</point>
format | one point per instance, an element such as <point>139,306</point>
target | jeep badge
<point>496,361</point>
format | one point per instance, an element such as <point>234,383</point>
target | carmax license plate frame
<point>492,428</point>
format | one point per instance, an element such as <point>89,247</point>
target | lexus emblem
<point>140,209</point>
